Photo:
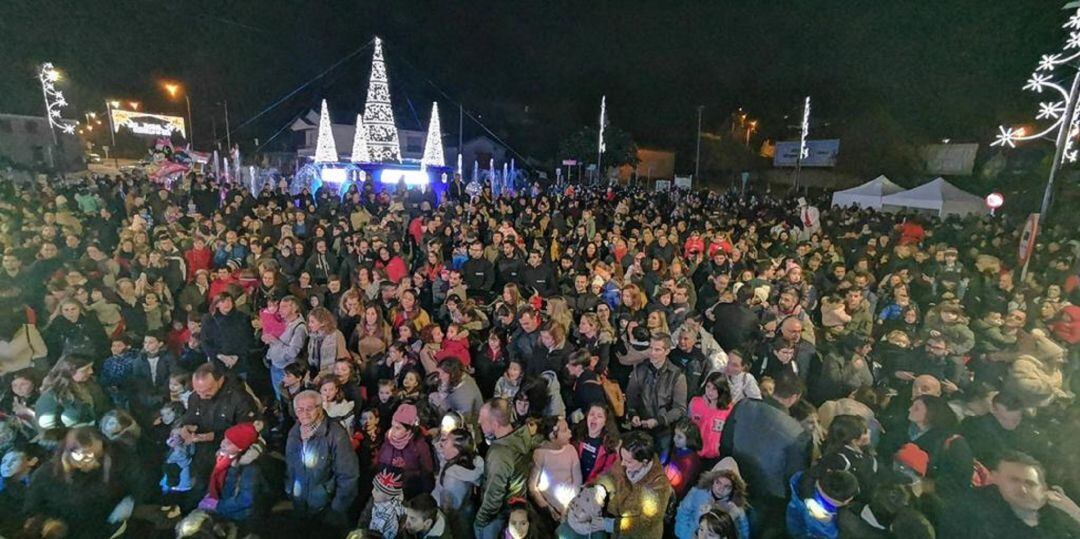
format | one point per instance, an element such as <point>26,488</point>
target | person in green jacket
<point>506,469</point>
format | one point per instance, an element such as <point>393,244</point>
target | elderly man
<point>788,352</point>
<point>321,469</point>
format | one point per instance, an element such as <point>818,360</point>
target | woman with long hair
<point>350,312</point>
<point>597,441</point>
<point>709,411</point>
<point>720,491</point>
<point>372,335</point>
<point>325,343</point>
<point>461,473</point>
<point>70,397</point>
<point>847,447</point>
<point>593,338</point>
<point>81,489</point>
<point>432,337</point>
<point>227,336</point>
<point>409,312</point>
<point>70,330</point>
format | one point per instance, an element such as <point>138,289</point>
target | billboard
<point>949,159</point>
<point>146,124</point>
<point>822,153</point>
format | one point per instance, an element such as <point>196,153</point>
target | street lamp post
<point>697,155</point>
<point>173,88</point>
<point>109,106</point>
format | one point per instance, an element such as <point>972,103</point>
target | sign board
<point>663,185</point>
<point>822,153</point>
<point>1027,238</point>
<point>146,124</point>
<point>949,159</point>
<point>683,182</point>
<point>569,162</point>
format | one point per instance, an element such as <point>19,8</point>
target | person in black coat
<point>227,336</point>
<point>82,488</point>
<point>478,273</point>
<point>585,387</point>
<point>150,374</point>
<point>74,332</point>
<point>539,276</point>
<point>508,266</point>
<point>734,324</point>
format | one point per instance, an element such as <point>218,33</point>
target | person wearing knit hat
<point>227,480</point>
<point>384,510</point>
<point>406,450</point>
<point>912,461</point>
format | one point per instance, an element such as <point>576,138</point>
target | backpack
<point>613,393</point>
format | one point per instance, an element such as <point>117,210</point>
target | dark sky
<point>947,68</point>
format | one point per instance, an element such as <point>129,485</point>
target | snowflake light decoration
<point>1064,120</point>
<point>54,99</point>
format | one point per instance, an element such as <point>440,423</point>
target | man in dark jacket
<point>506,468</point>
<point>769,445</point>
<point>1018,505</point>
<point>582,300</point>
<point>539,276</point>
<point>734,324</point>
<point>508,266</point>
<point>478,273</point>
<point>656,395</point>
<point>1004,429</point>
<point>321,468</point>
<point>214,406</point>
<point>525,341</point>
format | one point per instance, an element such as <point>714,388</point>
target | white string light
<point>804,150</point>
<point>325,148</point>
<point>54,99</point>
<point>433,149</point>
<point>1056,110</point>
<point>379,114</point>
<point>360,152</point>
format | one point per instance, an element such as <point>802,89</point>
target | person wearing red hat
<point>236,484</point>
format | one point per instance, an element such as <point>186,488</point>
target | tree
<point>582,144</point>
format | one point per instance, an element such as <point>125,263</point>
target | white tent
<point>939,197</point>
<point>867,195</point>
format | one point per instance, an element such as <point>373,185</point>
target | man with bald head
<point>506,468</point>
<point>788,351</point>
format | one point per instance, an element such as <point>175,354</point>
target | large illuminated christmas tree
<point>360,151</point>
<point>379,114</point>
<point>325,148</point>
<point>433,150</point>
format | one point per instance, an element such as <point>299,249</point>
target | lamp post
<point>109,106</point>
<point>1062,109</point>
<point>173,88</point>
<point>697,154</point>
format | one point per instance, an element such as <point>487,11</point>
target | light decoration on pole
<point>379,114</point>
<point>994,201</point>
<point>1061,109</point>
<point>804,150</point>
<point>360,151</point>
<point>54,100</point>
<point>433,149</point>
<point>325,148</point>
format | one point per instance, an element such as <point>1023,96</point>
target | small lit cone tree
<point>433,149</point>
<point>325,148</point>
<point>360,152</point>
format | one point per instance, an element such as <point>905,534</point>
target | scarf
<point>399,442</point>
<point>634,477</point>
<point>306,432</point>
<point>217,477</point>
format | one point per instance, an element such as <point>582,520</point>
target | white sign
<point>663,185</point>
<point>146,124</point>
<point>683,182</point>
<point>820,153</point>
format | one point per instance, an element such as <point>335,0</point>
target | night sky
<point>535,71</point>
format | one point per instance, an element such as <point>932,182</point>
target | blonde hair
<point>558,311</point>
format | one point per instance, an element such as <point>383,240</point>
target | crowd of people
<point>580,362</point>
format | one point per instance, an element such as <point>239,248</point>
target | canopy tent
<point>867,195</point>
<point>939,197</point>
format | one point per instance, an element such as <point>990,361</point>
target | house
<point>27,141</point>
<point>652,164</point>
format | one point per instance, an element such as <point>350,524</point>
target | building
<point>652,164</point>
<point>27,142</point>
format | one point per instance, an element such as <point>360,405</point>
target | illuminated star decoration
<point>1056,110</point>
<point>54,99</point>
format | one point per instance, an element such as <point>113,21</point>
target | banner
<point>822,153</point>
<point>146,124</point>
<point>1027,238</point>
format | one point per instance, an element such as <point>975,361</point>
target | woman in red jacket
<point>392,264</point>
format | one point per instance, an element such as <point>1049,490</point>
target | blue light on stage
<point>412,177</point>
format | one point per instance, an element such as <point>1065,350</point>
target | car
<point>93,158</point>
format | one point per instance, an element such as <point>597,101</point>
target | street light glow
<point>115,104</point>
<point>134,105</point>
<point>172,88</point>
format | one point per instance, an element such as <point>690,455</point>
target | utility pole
<point>697,157</point>
<point>228,134</point>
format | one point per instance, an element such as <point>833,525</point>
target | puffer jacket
<point>454,489</point>
<point>321,473</point>
<point>506,472</point>
<point>657,393</point>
